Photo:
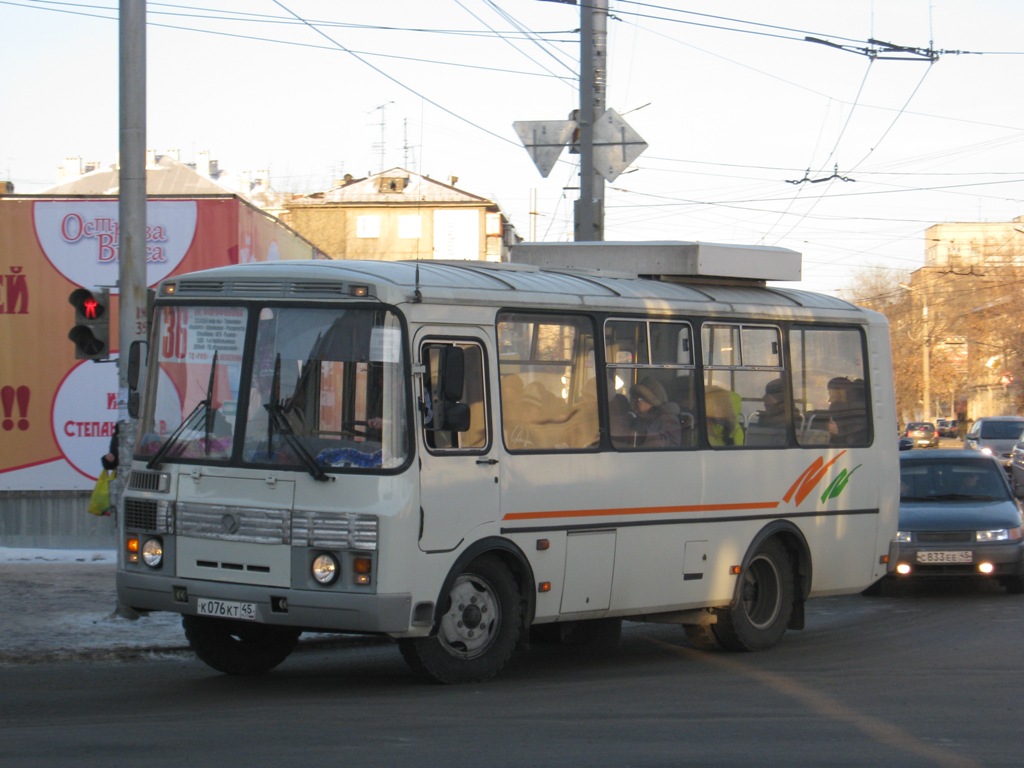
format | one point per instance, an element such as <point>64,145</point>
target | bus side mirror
<point>456,417</point>
<point>450,414</point>
<point>136,374</point>
<point>452,374</point>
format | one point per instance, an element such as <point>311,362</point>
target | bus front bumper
<point>303,609</point>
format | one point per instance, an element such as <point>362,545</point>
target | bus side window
<point>473,388</point>
<point>829,379</point>
<point>548,384</point>
<point>650,374</point>
<point>746,399</point>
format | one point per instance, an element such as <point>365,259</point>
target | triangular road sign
<point>616,145</point>
<point>544,140</point>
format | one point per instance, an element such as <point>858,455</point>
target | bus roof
<point>512,284</point>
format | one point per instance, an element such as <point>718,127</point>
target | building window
<point>493,224</point>
<point>386,184</point>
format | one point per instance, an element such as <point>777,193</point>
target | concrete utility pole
<point>606,143</point>
<point>926,362</point>
<point>131,276</point>
<point>589,213</point>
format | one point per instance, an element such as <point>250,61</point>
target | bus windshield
<point>307,388</point>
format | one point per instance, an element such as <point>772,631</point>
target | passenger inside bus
<point>723,411</point>
<point>847,411</point>
<point>653,421</point>
<point>769,426</point>
<point>774,412</point>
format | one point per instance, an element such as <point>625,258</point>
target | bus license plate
<point>226,609</point>
<point>944,557</point>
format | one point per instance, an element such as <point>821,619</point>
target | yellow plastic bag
<point>99,502</point>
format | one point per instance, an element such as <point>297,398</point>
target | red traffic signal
<point>91,331</point>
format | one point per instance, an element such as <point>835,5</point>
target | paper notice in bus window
<point>193,335</point>
<point>385,345</point>
<point>216,329</point>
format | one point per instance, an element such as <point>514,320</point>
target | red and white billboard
<point>57,413</point>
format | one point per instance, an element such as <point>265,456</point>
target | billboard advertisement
<point>57,413</point>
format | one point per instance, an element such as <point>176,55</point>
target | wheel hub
<point>469,626</point>
<point>471,616</point>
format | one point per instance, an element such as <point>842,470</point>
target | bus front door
<point>459,483</point>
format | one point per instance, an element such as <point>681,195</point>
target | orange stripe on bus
<point>640,510</point>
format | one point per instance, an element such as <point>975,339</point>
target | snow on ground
<point>29,555</point>
<point>61,603</point>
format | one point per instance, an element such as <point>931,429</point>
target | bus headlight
<point>325,568</point>
<point>153,552</point>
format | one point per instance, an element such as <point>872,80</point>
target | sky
<point>845,150</point>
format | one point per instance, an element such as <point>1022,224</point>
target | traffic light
<point>91,332</point>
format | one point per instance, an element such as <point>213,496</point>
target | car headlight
<point>998,534</point>
<point>904,537</point>
<point>986,450</point>
<point>153,552</point>
<point>325,568</point>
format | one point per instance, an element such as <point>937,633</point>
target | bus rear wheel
<point>238,647</point>
<point>478,631</point>
<point>762,612</point>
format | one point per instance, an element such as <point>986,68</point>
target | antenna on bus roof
<point>417,295</point>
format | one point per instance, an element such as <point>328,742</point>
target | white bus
<point>466,455</point>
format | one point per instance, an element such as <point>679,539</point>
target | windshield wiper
<point>284,428</point>
<point>278,422</point>
<point>202,407</point>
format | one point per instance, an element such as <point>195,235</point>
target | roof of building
<point>391,187</point>
<point>164,176</point>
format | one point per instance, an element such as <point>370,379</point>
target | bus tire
<point>238,647</point>
<point>478,630</point>
<point>764,605</point>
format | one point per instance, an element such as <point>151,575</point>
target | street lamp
<point>926,352</point>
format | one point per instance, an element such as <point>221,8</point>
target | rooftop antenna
<point>380,146</point>
<point>406,147</point>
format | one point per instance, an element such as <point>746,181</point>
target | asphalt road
<point>927,675</point>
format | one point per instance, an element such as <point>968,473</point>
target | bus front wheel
<point>765,603</point>
<point>238,647</point>
<point>478,631</point>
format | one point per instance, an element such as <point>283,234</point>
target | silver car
<point>995,436</point>
<point>1017,468</point>
<point>923,433</point>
